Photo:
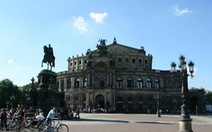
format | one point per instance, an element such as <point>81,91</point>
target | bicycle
<point>58,127</point>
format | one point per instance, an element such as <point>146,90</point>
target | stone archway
<point>100,101</point>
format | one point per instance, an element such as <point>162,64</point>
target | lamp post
<point>185,121</point>
<point>158,106</point>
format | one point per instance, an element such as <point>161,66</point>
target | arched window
<point>129,82</point>
<point>148,83</point>
<point>119,82</point>
<point>76,84</point>
<point>157,83</point>
<point>84,82</point>
<point>139,83</point>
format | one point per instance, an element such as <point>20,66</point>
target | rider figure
<point>48,56</point>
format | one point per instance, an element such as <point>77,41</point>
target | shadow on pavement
<point>101,120</point>
<point>151,122</point>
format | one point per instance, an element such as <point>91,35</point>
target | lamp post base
<point>185,125</point>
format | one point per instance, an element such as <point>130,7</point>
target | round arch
<point>100,101</point>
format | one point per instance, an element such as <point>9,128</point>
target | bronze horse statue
<point>48,57</point>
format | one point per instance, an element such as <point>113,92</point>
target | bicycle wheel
<point>13,126</point>
<point>63,128</point>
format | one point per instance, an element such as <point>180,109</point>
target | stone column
<point>72,82</point>
<point>65,84</point>
<point>59,84</point>
<point>88,80</point>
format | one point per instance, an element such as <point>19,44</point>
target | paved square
<point>135,123</point>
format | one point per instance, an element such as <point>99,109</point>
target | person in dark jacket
<point>77,114</point>
<point>4,120</point>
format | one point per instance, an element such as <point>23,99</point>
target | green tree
<point>10,94</point>
<point>208,97</point>
<point>29,86</point>
<point>196,89</point>
<point>208,94</point>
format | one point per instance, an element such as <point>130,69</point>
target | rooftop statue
<point>102,48</point>
<point>48,57</point>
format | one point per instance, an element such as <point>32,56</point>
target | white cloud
<point>180,12</point>
<point>10,61</point>
<point>98,17</point>
<point>80,24</point>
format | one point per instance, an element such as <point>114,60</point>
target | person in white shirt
<point>51,115</point>
<point>40,117</point>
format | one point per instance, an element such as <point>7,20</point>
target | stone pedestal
<point>47,95</point>
<point>185,125</point>
<point>47,80</point>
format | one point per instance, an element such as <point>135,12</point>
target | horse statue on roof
<point>48,57</point>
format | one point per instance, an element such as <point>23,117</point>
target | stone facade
<point>119,78</point>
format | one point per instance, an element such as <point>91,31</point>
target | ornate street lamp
<point>185,122</point>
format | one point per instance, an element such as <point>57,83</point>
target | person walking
<point>77,114</point>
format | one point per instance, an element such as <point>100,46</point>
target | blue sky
<point>166,29</point>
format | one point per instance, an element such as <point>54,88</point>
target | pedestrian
<point>4,120</point>
<point>77,114</point>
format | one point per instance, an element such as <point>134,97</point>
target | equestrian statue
<point>48,57</point>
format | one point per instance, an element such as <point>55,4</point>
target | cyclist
<point>39,118</point>
<point>52,113</point>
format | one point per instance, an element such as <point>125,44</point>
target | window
<point>133,60</point>
<point>119,59</point>
<point>85,61</point>
<point>129,82</point>
<point>148,83</point>
<point>157,83</point>
<point>139,60</point>
<point>139,83</point>
<point>84,82</point>
<point>80,62</point>
<point>119,82</point>
<point>146,61</point>
<point>77,81</point>
<point>102,83</point>
<point>140,99</point>
<point>126,59</point>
